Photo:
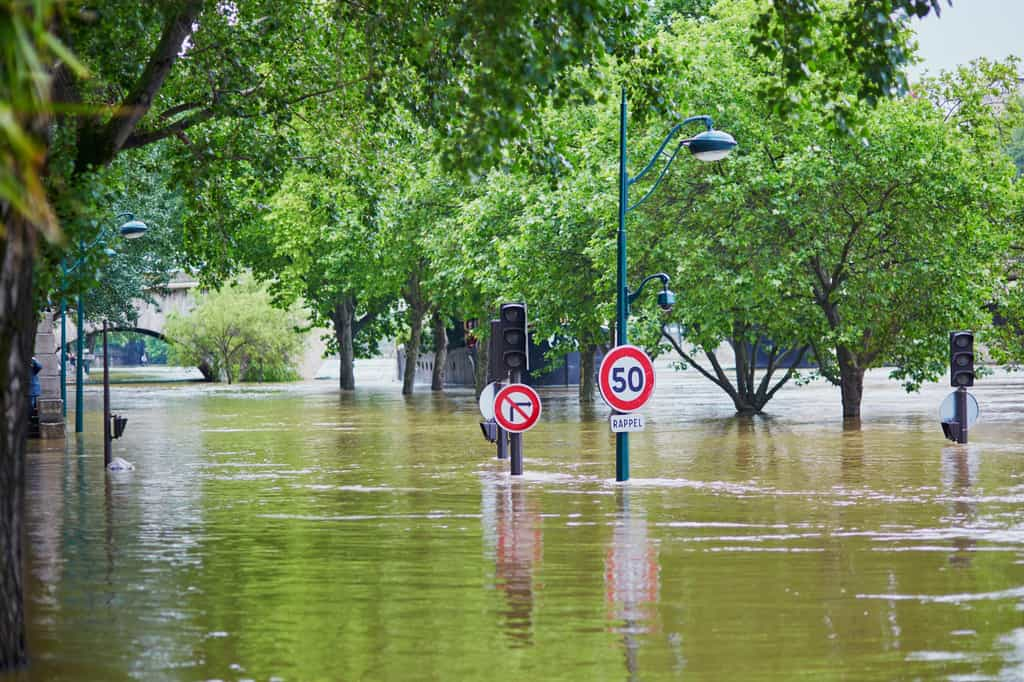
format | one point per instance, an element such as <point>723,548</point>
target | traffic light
<point>513,337</point>
<point>961,358</point>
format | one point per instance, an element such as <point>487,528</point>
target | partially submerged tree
<point>857,247</point>
<point>235,333</point>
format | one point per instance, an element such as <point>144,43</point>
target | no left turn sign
<point>517,408</point>
<point>626,378</point>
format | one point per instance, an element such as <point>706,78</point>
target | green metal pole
<point>622,304</point>
<point>106,399</point>
<point>79,377</point>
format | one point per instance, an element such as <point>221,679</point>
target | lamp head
<point>712,145</point>
<point>666,299</point>
<point>133,229</point>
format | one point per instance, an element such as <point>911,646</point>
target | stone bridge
<point>178,297</point>
<point>152,317</point>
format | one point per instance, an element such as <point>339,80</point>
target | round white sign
<point>487,400</point>
<point>626,378</point>
<point>947,410</point>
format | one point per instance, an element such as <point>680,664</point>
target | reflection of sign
<point>947,411</point>
<point>627,422</point>
<point>487,400</point>
<point>626,378</point>
<point>517,408</point>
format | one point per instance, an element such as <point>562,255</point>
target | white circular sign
<point>947,410</point>
<point>487,400</point>
<point>626,378</point>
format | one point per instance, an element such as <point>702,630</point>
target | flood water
<point>292,533</point>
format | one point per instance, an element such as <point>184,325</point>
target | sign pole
<point>626,381</point>
<point>961,414</point>
<point>502,440</point>
<point>516,439</point>
<point>517,408</point>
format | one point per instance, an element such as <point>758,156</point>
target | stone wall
<point>50,407</point>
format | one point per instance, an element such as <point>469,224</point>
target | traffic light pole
<point>960,409</point>
<point>515,439</point>
<point>502,436</point>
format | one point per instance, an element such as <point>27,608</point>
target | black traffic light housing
<point>513,340</point>
<point>961,358</point>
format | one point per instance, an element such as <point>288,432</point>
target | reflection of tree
<point>959,472</point>
<point>749,437</point>
<point>518,545</point>
<point>631,577</point>
<point>851,456</point>
<point>44,523</point>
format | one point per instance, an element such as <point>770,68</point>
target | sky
<point>970,29</point>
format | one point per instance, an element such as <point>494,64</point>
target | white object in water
<point>118,464</point>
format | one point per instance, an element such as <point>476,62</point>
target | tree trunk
<point>17,335</point>
<point>344,319</point>
<point>412,349</point>
<point>586,395</point>
<point>851,382</point>
<point>440,353</point>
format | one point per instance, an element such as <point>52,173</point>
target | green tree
<point>236,333</point>
<point>410,221</point>
<point>27,49</point>
<point>321,248</point>
<point>223,80</point>
<point>138,268</point>
<point>853,51</point>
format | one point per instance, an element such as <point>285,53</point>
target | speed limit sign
<point>626,378</point>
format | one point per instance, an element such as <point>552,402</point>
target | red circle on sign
<point>516,408</point>
<point>621,356</point>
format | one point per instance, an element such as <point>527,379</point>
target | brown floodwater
<point>291,533</point>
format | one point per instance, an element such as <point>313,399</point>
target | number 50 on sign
<point>626,378</point>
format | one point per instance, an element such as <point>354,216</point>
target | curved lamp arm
<point>709,125</point>
<point>639,290</point>
<point>84,249</point>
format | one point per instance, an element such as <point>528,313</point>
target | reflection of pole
<point>516,439</point>
<point>959,469</point>
<point>106,399</point>
<point>631,577</point>
<point>960,409</point>
<point>518,548</point>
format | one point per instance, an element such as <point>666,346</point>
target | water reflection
<point>515,541</point>
<point>631,577</point>
<point>379,538</point>
<point>959,474</point>
<point>851,457</point>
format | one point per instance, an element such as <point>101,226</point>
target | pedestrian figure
<point>34,388</point>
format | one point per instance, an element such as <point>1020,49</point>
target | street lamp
<point>131,229</point>
<point>710,145</point>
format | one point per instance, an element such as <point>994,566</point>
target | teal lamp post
<point>710,145</point>
<point>131,229</point>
